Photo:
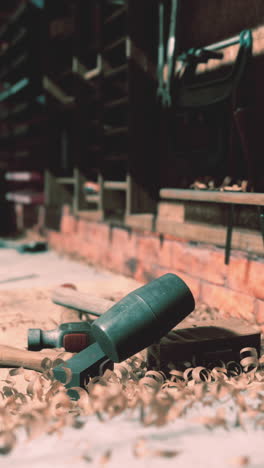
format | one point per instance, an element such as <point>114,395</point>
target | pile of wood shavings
<point>228,184</point>
<point>44,406</point>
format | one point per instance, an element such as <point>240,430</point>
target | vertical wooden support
<point>137,204</point>
<point>129,195</point>
<point>101,193</point>
<point>56,193</point>
<point>79,202</point>
<point>19,211</point>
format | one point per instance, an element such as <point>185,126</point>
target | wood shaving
<point>43,405</point>
<point>141,449</point>
<point>241,460</point>
<point>229,184</point>
<point>105,458</point>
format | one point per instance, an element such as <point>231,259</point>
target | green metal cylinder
<point>143,316</point>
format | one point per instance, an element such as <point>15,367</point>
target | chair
<point>202,128</point>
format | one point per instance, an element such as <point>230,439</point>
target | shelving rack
<point>115,97</point>
<point>21,101</point>
<point>73,92</point>
<point>104,93</point>
<point>128,60</point>
<point>22,112</point>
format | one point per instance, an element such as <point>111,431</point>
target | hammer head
<point>132,324</point>
<point>73,336</point>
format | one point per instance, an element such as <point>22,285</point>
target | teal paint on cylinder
<point>143,316</point>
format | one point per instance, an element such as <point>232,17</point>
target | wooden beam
<point>91,215</point>
<point>79,201</point>
<point>115,185</point>
<point>142,221</point>
<point>65,180</point>
<point>242,239</point>
<point>55,194</point>
<point>240,198</point>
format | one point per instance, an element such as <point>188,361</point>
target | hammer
<point>73,336</point>
<point>130,325</point>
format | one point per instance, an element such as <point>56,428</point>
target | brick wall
<point>237,288</point>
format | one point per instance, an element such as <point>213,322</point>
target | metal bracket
<point>161,51</point>
<point>261,221</point>
<point>56,91</point>
<point>164,88</point>
<point>230,223</point>
<point>171,52</point>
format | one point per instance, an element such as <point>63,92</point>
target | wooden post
<point>55,193</point>
<point>79,202</point>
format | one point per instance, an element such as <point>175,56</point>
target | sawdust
<point>40,404</point>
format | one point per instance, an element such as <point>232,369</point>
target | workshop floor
<point>25,284</point>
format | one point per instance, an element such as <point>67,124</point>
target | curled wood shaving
<point>141,450</point>
<point>242,460</point>
<point>7,442</point>
<point>105,458</point>
<point>44,405</point>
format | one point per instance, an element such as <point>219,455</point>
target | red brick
<point>119,238</point>
<point>145,272</point>
<point>68,224</point>
<point>93,232</point>
<point>256,278</point>
<point>200,262</point>
<point>88,251</point>
<point>54,239</point>
<point>69,243</point>
<point>82,227</point>
<point>246,276</point>
<point>238,273</point>
<point>260,312</point>
<point>165,254</point>
<point>148,248</point>
<point>193,283</point>
<point>232,302</point>
<point>121,255</point>
<point>98,232</point>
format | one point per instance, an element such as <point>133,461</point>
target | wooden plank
<point>116,102</point>
<point>242,239</point>
<point>91,215</point>
<point>56,91</point>
<point>65,180</point>
<point>92,198</point>
<point>110,73</point>
<point>142,221</point>
<point>23,176</point>
<point>115,15</point>
<point>171,210</point>
<point>55,194</point>
<point>25,198</point>
<point>115,185</point>
<point>116,43</point>
<point>213,196</point>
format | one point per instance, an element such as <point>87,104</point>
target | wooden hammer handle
<point>15,357</point>
<point>81,301</point>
